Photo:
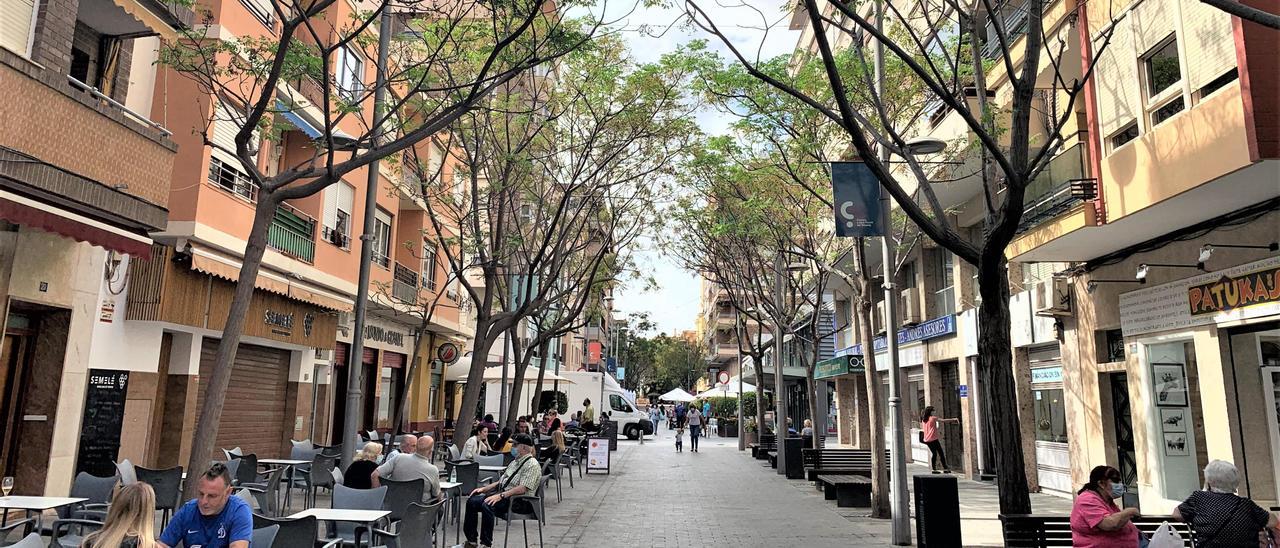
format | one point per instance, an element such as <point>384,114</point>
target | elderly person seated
<point>1219,517</point>
<point>1096,521</point>
<point>412,467</point>
<point>493,500</point>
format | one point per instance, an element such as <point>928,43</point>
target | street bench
<point>837,461</point>
<point>773,459</point>
<point>808,445</point>
<point>1043,530</point>
<point>768,442</point>
<point>848,491</point>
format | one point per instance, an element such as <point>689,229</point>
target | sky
<point>672,304</point>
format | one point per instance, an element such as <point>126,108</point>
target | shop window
<point>1173,407</point>
<point>1051,415</point>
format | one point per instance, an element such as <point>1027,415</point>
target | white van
<point>607,397</point>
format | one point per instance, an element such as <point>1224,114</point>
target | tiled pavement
<point>720,497</point>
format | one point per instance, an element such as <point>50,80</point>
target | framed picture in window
<point>1170,384</point>
<point>1173,420</point>
<point>1176,445</point>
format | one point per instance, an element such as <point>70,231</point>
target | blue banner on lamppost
<point>857,200</point>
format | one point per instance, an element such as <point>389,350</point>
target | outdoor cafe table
<point>35,504</point>
<point>367,517</point>
<point>291,464</point>
<point>450,489</point>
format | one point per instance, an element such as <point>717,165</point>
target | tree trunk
<point>521,359</point>
<point>542,373</point>
<point>759,361</point>
<point>475,377</point>
<point>879,464</point>
<point>995,354</point>
<point>215,391</point>
<point>415,362</point>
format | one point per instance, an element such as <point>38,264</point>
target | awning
<point>228,268</point>
<point>35,214</point>
<point>298,121</point>
<point>150,19</point>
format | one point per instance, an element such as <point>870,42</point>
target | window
<point>907,276</point>
<point>429,265</point>
<point>1218,83</point>
<point>944,300</point>
<point>17,20</point>
<point>226,171</point>
<point>350,74</point>
<point>618,404</point>
<point>1163,69</point>
<point>1167,111</point>
<point>339,202</point>
<point>1125,135</point>
<point>382,239</point>
<point>1051,415</point>
<point>262,10</point>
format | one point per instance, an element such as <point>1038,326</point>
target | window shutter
<point>1116,79</point>
<point>346,197</point>
<point>1155,21</point>
<point>1210,47</point>
<point>227,122</point>
<point>331,205</point>
<point>15,25</point>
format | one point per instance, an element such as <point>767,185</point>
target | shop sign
<point>857,200</point>
<point>377,333</point>
<point>107,313</point>
<point>1046,375</point>
<point>448,353</point>
<point>841,365</point>
<point>279,322</point>
<point>932,329</point>
<point>1203,300</point>
<point>1232,292</point>
<point>963,390</point>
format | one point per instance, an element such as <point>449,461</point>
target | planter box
<point>750,437</point>
<point>727,430</point>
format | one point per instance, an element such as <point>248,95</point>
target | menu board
<point>103,417</point>
<point>598,455</point>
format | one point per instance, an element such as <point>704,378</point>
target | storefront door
<point>1271,391</point>
<point>1126,457</point>
<point>953,440</point>
<point>13,363</point>
<point>1255,360</point>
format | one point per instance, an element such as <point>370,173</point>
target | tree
<point>1013,151</point>
<point>245,77</point>
<point>560,172</point>
<point>1247,12</point>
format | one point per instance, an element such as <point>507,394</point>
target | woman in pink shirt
<point>1096,521</point>
<point>929,436</point>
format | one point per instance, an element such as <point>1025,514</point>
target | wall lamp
<point>1206,250</point>
<point>1146,267</point>
<point>1093,284</point>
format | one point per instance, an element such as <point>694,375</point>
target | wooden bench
<point>773,454</point>
<point>768,442</point>
<point>1042,530</point>
<point>848,491</point>
<point>837,461</point>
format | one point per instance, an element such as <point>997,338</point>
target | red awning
<point>31,213</point>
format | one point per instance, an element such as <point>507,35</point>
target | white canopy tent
<point>726,390</point>
<point>678,395</point>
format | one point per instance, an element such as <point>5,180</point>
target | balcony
<point>404,284</point>
<point>1051,193</point>
<point>1015,25</point>
<point>293,233</point>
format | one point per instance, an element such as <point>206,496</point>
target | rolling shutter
<point>1211,48</point>
<point>227,121</point>
<point>253,416</point>
<point>369,357</point>
<point>15,25</point>
<point>340,351</point>
<point>1116,79</point>
<point>392,359</point>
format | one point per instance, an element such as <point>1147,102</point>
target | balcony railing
<point>1050,193</point>
<point>404,284</point>
<point>293,233</point>
<point>1015,25</point>
<point>231,179</point>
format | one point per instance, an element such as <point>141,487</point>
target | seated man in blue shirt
<point>215,519</point>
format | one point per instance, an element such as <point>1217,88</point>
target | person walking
<point>1219,517</point>
<point>1096,521</point>
<point>694,417</point>
<point>131,521</point>
<point>653,417</point>
<point>588,415</point>
<point>680,414</point>
<point>929,436</point>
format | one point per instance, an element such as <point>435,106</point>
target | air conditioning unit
<point>323,354</point>
<point>1052,297</point>
<point>910,307</point>
<point>877,321</point>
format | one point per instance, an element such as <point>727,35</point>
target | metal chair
<point>265,536</point>
<point>417,526</point>
<point>33,540</point>
<point>98,490</point>
<point>27,525</point>
<point>354,499</point>
<point>247,470</point>
<point>268,494</point>
<point>400,494</point>
<point>125,470</point>
<point>320,476</point>
<point>168,487</point>
<point>61,536</point>
<point>292,533</point>
<point>535,512</point>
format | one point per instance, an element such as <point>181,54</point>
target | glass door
<point>1271,392</point>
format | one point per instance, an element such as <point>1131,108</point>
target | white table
<point>366,517</point>
<point>445,487</point>
<point>292,465</point>
<point>492,468</point>
<point>37,504</point>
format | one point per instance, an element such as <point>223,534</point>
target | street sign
<point>723,377</point>
<point>857,200</point>
<point>839,365</point>
<point>622,373</point>
<point>448,353</point>
<point>964,390</point>
<point>611,364</point>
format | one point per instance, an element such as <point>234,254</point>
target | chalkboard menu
<point>609,429</point>
<point>103,417</point>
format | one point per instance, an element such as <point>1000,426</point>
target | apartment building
<point>84,181</point>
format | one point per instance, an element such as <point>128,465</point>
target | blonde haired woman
<point>552,452</point>
<point>130,521</point>
<point>360,474</point>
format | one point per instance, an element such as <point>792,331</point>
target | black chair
<point>417,526</point>
<point>320,476</point>
<point>167,484</point>
<point>467,474</point>
<point>526,508</point>
<point>400,494</point>
<point>62,537</point>
<point>293,533</point>
<point>354,499</point>
<point>265,536</point>
<point>247,470</point>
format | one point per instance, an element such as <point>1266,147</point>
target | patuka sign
<point>1232,292</point>
<point>1246,291</point>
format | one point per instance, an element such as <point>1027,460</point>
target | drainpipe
<point>1093,142</point>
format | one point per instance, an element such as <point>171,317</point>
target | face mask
<point>514,453</point>
<point>1118,490</point>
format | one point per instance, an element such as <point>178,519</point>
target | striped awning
<point>32,213</point>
